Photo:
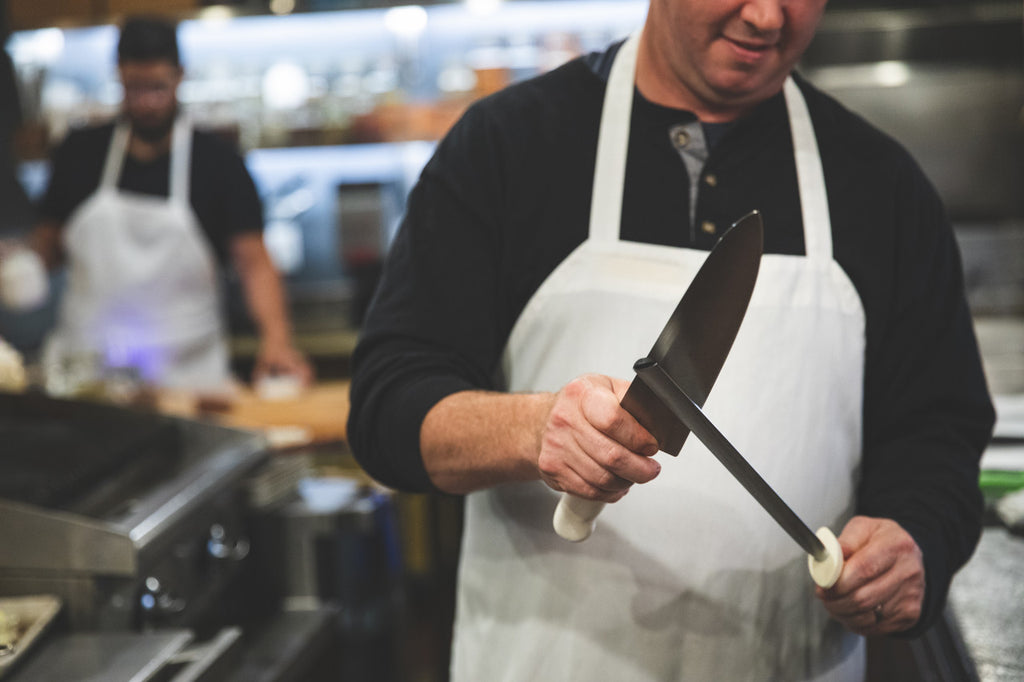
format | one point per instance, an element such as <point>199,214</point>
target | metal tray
<point>33,615</point>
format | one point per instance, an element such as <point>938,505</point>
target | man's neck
<point>144,150</point>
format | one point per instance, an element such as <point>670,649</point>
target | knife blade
<point>692,347</point>
<point>696,340</point>
<point>825,557</point>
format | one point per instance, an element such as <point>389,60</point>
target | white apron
<point>142,280</point>
<point>686,578</point>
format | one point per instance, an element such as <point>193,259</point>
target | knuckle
<point>560,416</point>
<point>592,492</point>
<point>549,464</point>
<point>871,567</point>
<point>604,416</point>
<point>616,458</point>
<point>861,603</point>
<point>605,481</point>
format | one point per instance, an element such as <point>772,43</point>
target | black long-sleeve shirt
<point>506,197</point>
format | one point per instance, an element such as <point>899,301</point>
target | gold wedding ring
<point>878,614</point>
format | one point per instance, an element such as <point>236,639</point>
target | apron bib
<point>142,280</point>
<point>686,578</point>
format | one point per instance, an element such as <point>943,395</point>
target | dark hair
<point>147,39</point>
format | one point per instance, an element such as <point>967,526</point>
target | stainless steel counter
<point>986,602</point>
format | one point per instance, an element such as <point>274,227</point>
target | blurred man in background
<point>143,210</point>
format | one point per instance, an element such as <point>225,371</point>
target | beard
<point>152,131</point>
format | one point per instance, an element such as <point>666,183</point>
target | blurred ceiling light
<point>483,7</point>
<point>408,21</point>
<point>891,74</point>
<point>282,6</point>
<point>456,78</point>
<point>215,13</point>
<point>285,86</point>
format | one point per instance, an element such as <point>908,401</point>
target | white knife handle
<point>574,517</point>
<point>826,572</point>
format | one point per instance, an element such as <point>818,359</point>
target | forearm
<point>265,299</point>
<point>474,439</point>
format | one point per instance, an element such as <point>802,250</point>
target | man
<point>144,209</point>
<point>854,385</point>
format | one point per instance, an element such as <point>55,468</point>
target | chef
<point>144,210</point>
<point>544,247</point>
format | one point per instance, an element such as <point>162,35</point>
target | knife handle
<point>575,517</point>
<point>827,571</point>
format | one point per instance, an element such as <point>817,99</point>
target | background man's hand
<point>590,446</point>
<point>282,359</point>
<point>881,589</point>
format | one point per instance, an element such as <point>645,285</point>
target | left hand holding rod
<point>881,589</point>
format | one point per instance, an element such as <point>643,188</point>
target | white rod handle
<point>574,517</point>
<point>827,571</point>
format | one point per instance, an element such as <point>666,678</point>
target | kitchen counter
<point>986,599</point>
<point>986,603</point>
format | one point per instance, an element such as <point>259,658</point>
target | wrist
<point>275,339</point>
<point>538,406</point>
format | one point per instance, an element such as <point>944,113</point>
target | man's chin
<point>152,132</point>
<point>746,85</point>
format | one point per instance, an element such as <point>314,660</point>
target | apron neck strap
<point>181,158</point>
<point>115,155</point>
<point>613,145</point>
<point>180,164</point>
<point>810,176</point>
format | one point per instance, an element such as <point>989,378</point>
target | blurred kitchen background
<point>337,104</point>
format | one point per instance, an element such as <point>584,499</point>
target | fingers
<point>881,589</point>
<point>283,361</point>
<point>593,448</point>
<point>602,410</point>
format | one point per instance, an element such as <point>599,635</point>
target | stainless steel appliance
<point>136,520</point>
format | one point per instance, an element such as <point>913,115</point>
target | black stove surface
<point>79,456</point>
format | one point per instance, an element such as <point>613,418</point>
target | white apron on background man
<point>142,280</point>
<point>685,578</point>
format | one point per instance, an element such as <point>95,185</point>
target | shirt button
<point>711,179</point>
<point>708,227</point>
<point>682,138</point>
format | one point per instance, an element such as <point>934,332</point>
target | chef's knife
<point>692,348</point>
<point>825,560</point>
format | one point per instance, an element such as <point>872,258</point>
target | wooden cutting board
<point>322,409</point>
<point>316,415</point>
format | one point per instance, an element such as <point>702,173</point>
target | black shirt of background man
<point>221,190</point>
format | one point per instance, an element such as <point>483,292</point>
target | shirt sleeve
<point>74,175</point>
<point>224,194</point>
<point>243,211</point>
<point>927,411</point>
<point>432,328</point>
